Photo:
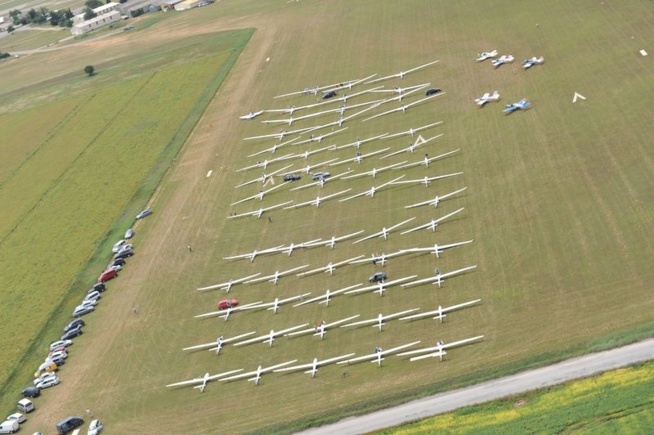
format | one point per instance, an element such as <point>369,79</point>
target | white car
<point>125,248</point>
<point>50,382</point>
<point>119,244</point>
<point>129,234</point>
<point>95,427</point>
<point>20,418</point>
<point>80,310</point>
<point>116,267</point>
<point>45,376</point>
<point>88,303</point>
<point>60,343</point>
<point>57,355</point>
<point>93,296</point>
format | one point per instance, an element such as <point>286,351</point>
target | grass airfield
<point>558,202</point>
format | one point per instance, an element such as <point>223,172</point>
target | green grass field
<point>558,203</point>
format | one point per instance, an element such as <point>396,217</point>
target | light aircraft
<point>373,172</point>
<point>264,163</point>
<point>224,314</point>
<point>332,241</point>
<point>275,147</point>
<point>258,372</point>
<point>251,115</point>
<point>401,74</point>
<point>360,142</point>
<point>203,380</point>
<point>411,148</point>
<point>412,131</point>
<point>258,196</point>
<point>486,55</point>
<point>270,337</point>
<point>379,287</point>
<point>427,180</point>
<point>378,355</point>
<point>325,298</point>
<point>436,249</point>
<point>378,322</point>
<point>403,107</point>
<point>440,312</point>
<point>433,223</point>
<point>227,286</point>
<point>487,98</point>
<point>319,199</point>
<point>348,84</point>
<point>427,160</point>
<point>275,276</point>
<point>322,180</point>
<point>533,61</point>
<point>380,258</point>
<point>505,58</point>
<point>436,199</point>
<point>322,328</point>
<point>320,137</point>
<point>264,177</point>
<point>219,343</point>
<point>309,168</point>
<point>439,349</point>
<point>313,366</point>
<point>329,268</point>
<point>359,157</point>
<point>384,231</point>
<point>439,278</point>
<point>251,256</point>
<point>279,135</point>
<point>289,249</point>
<point>308,153</point>
<point>520,105</point>
<point>399,90</point>
<point>371,192</point>
<point>259,212</point>
<point>274,305</point>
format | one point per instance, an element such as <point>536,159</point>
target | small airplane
<point>275,147</point>
<point>275,276</point>
<point>329,268</point>
<point>380,258</point>
<point>427,180</point>
<point>486,55</point>
<point>433,223</point>
<point>528,63</point>
<point>360,142</point>
<point>359,157</point>
<point>219,343</point>
<point>224,314</point>
<point>380,287</point>
<point>322,180</point>
<point>439,278</point>
<point>203,380</point>
<point>264,163</point>
<point>427,160</point>
<point>384,231</point>
<point>379,354</point>
<point>227,286</point>
<point>411,148</point>
<point>325,298</point>
<point>378,322</point>
<point>319,199</point>
<point>487,98</point>
<point>258,196</point>
<point>259,212</point>
<point>403,107</point>
<point>321,329</point>
<point>258,372</point>
<point>439,349</point>
<point>373,172</point>
<point>305,155</point>
<point>270,337</point>
<point>440,312</point>
<point>274,305</point>
<point>251,256</point>
<point>371,192</point>
<point>264,177</point>
<point>281,135</point>
<point>309,168</point>
<point>251,115</point>
<point>399,90</point>
<point>506,58</point>
<point>520,105</point>
<point>436,249</point>
<point>412,131</point>
<point>332,241</point>
<point>436,200</point>
<point>401,74</point>
<point>288,250</point>
<point>320,137</point>
<point>313,366</point>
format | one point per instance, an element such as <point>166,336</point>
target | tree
<point>90,70</point>
<point>88,14</point>
<point>10,28</point>
<point>92,4</point>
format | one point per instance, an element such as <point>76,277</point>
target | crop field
<point>618,401</point>
<point>558,203</point>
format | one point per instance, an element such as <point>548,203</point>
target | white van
<point>25,406</point>
<point>9,426</point>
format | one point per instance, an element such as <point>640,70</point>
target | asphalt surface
<point>575,368</point>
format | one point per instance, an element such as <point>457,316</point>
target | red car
<point>227,303</point>
<point>107,275</point>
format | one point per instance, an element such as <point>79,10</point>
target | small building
<point>187,4</point>
<point>96,23</point>
<point>169,5</point>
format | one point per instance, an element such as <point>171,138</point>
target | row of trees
<point>62,18</point>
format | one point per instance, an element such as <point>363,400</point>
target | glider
<point>433,223</point>
<point>378,355</point>
<point>427,160</point>
<point>399,90</point>
<point>371,192</point>
<point>378,322</point>
<point>322,328</point>
<point>329,268</point>
<point>403,107</point>
<point>279,135</point>
<point>439,278</point>
<point>275,276</point>
<point>322,180</point>
<point>313,366</point>
<point>401,74</point>
<point>439,349</point>
<point>219,343</point>
<point>319,199</point>
<point>308,168</point>
<point>320,137</point>
<point>251,256</point>
<point>274,305</point>
<point>203,380</point>
<point>251,115</point>
<point>258,196</point>
<point>270,337</point>
<point>436,199</point>
<point>289,249</point>
<point>412,131</point>
<point>373,172</point>
<point>359,157</point>
<point>259,212</point>
<point>380,258</point>
<point>380,287</point>
<point>258,372</point>
<point>440,312</point>
<point>436,249</point>
<point>384,231</point>
<point>360,142</point>
<point>332,241</point>
<point>274,148</point>
<point>411,148</point>
<point>325,298</point>
<point>264,177</point>
<point>227,286</point>
<point>224,314</point>
<point>427,180</point>
<point>264,163</point>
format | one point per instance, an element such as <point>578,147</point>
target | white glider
<point>384,231</point>
<point>412,131</point>
<point>439,349</point>
<point>436,199</point>
<point>321,329</point>
<point>288,250</point>
<point>319,199</point>
<point>227,286</point>
<point>427,160</point>
<point>219,343</point>
<point>305,155</point>
<point>378,355</point>
<point>281,135</point>
<point>258,196</point>
<point>360,142</point>
<point>371,192</point>
<point>264,177</point>
<point>374,171</point>
<point>275,276</point>
<point>224,314</point>
<point>401,74</point>
<point>380,258</point>
<point>439,277</point>
<point>251,256</point>
<point>251,115</point>
<point>270,337</point>
<point>411,148</point>
<point>433,223</point>
<point>309,168</point>
<point>403,107</point>
<point>259,212</point>
<point>322,180</point>
<point>379,321</point>
<point>274,305</point>
<point>258,372</point>
<point>275,147</point>
<point>329,268</point>
<point>380,287</point>
<point>325,298</point>
<point>399,90</point>
<point>440,312</point>
<point>427,180</point>
<point>332,241</point>
<point>359,157</point>
<point>203,380</point>
<point>264,163</point>
<point>436,249</point>
<point>313,366</point>
<point>319,138</point>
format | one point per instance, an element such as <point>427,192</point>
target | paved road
<point>445,402</point>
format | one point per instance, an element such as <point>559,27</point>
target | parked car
<point>59,360</point>
<point>124,248</point>
<point>227,303</point>
<point>107,275</point>
<point>95,427</point>
<point>378,277</point>
<point>72,333</point>
<point>82,310</point>
<point>93,296</point>
<point>68,424</point>
<point>50,382</point>
<point>44,376</point>
<point>31,392</point>
<point>144,213</point>
<point>116,267</point>
<point>432,91</point>
<point>119,244</point>
<point>60,343</point>
<point>89,302</point>
<point>52,356</point>
<point>17,416</point>
<point>25,405</point>
<point>328,95</point>
<point>47,366</point>
<point>320,175</point>
<point>98,287</point>
<point>72,325</point>
<point>9,426</point>
<point>123,255</point>
<point>119,262</point>
<point>129,234</point>
<point>291,177</point>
